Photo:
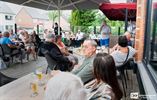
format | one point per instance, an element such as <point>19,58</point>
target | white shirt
<point>119,57</point>
<point>105,32</point>
<point>92,36</point>
<point>79,36</point>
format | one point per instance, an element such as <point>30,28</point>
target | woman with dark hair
<point>123,51</point>
<point>105,86</point>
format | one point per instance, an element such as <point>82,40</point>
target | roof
<point>5,9</point>
<point>37,13</point>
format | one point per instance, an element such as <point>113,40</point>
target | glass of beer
<point>34,88</point>
<point>39,75</point>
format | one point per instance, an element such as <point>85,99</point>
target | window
<point>150,51</point>
<point>8,27</point>
<point>8,17</point>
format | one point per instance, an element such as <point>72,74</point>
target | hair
<point>105,70</point>
<point>128,35</point>
<point>6,34</point>
<point>65,86</point>
<point>50,36</point>
<point>92,42</point>
<point>57,37</point>
<point>122,41</point>
<point>56,24</point>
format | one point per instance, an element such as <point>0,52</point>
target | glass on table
<point>34,88</point>
<point>40,75</point>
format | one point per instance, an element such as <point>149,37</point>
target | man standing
<point>79,38</point>
<point>105,31</point>
<point>85,71</point>
<point>56,29</point>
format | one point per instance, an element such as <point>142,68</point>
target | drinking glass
<point>39,74</point>
<point>34,88</point>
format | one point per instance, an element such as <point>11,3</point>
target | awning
<point>60,4</point>
<point>117,11</point>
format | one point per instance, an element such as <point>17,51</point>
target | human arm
<point>85,72</point>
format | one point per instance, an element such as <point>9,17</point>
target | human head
<point>122,41</point>
<point>65,86</point>
<point>11,31</point>
<point>45,31</point>
<point>89,47</point>
<point>34,33</point>
<point>58,38</point>
<point>128,35</point>
<point>0,34</point>
<point>56,24</point>
<point>105,70</point>
<point>50,37</point>
<point>6,34</point>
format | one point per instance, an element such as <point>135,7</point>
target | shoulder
<point>132,50</point>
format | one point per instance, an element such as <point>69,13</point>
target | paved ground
<point>17,70</point>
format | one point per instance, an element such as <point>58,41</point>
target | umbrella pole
<point>59,22</point>
<point>126,19</point>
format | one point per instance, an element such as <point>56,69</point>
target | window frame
<point>147,46</point>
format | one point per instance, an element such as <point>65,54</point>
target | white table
<point>20,90</point>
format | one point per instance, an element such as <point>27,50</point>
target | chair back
<point>6,49</point>
<point>52,64</point>
<point>1,51</point>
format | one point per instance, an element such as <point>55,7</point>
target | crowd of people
<point>94,79</point>
<point>97,72</point>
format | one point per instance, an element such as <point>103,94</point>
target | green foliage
<point>53,15</point>
<point>82,19</point>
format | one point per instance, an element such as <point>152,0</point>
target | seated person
<point>105,86</point>
<point>120,54</point>
<point>65,50</point>
<point>29,43</point>
<point>12,35</point>
<point>6,40</point>
<point>65,86</point>
<point>0,34</point>
<point>15,47</point>
<point>63,63</point>
<point>85,71</point>
<point>128,36</point>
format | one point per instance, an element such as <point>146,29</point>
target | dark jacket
<point>56,31</point>
<point>63,62</point>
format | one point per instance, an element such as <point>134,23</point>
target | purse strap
<point>126,56</point>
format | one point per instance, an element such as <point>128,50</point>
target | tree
<point>83,19</point>
<point>53,15</point>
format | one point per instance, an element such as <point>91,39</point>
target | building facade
<point>6,17</point>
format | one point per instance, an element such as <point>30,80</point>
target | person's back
<point>120,55</point>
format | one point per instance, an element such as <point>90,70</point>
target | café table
<point>20,89</point>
